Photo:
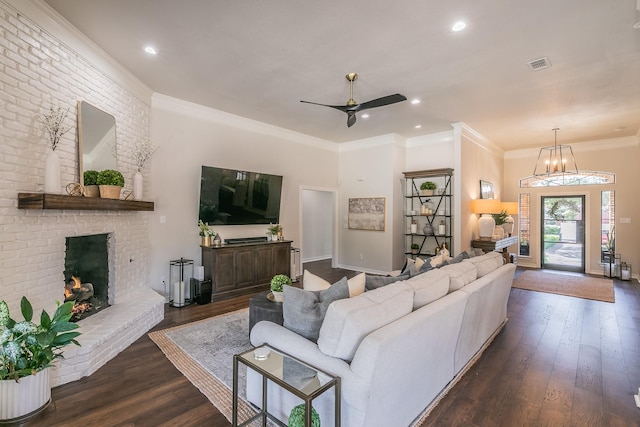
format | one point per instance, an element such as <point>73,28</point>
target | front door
<point>563,233</point>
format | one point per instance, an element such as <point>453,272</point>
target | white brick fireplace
<point>37,69</point>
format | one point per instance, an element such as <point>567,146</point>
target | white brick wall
<point>36,69</point>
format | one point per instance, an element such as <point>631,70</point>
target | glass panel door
<point>563,233</point>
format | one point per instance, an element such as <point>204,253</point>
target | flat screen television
<point>234,197</point>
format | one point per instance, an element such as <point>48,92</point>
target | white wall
<point>318,212</point>
<point>189,136</point>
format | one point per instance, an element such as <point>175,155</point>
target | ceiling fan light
<point>459,26</point>
<point>151,50</point>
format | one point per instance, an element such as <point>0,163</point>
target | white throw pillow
<point>311,282</point>
<point>428,287</point>
<point>461,274</point>
<point>348,321</point>
<point>486,263</point>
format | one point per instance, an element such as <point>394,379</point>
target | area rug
<point>587,287</point>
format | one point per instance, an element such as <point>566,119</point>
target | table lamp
<point>486,223</point>
<point>512,209</point>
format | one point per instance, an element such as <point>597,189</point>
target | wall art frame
<point>367,213</point>
<point>486,190</point>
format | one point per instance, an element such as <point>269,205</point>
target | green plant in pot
<point>90,179</point>
<point>415,248</point>
<point>297,415</point>
<point>427,188</point>
<point>26,350</point>
<point>278,282</point>
<point>110,182</point>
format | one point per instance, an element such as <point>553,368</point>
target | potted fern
<point>110,182</point>
<point>277,283</point>
<point>27,350</point>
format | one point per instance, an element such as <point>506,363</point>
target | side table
<point>293,375</point>
<point>488,245</point>
<point>260,308</point>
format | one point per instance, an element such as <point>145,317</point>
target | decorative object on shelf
<point>297,417</point>
<point>142,151</point>
<point>367,213</point>
<point>181,272</point>
<point>442,228</point>
<point>55,130</point>
<point>217,240</point>
<point>486,223</point>
<point>110,182</point>
<point>74,189</point>
<point>427,188</point>
<point>27,352</point>
<point>206,233</point>
<point>277,283</point>
<point>427,230</point>
<point>415,248</point>
<point>500,219</point>
<point>275,230</point>
<point>511,208</point>
<point>91,188</point>
<point>414,226</point>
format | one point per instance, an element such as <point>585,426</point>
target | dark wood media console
<point>241,268</point>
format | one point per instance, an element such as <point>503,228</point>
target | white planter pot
<point>52,177</point>
<point>137,186</point>
<point>277,296</point>
<point>29,395</point>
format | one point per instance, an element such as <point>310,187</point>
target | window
<point>523,223</point>
<point>607,225</point>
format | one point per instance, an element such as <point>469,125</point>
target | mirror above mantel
<point>96,139</point>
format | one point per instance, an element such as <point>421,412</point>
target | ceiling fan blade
<point>337,107</point>
<point>385,100</point>
<point>351,118</point>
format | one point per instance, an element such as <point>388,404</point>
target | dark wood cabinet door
<point>264,264</point>
<point>223,277</point>
<point>244,267</point>
<point>282,259</point>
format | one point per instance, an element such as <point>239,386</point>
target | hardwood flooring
<point>559,361</point>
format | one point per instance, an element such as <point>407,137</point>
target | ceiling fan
<point>353,107</point>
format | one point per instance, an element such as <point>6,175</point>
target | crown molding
<point>581,147</point>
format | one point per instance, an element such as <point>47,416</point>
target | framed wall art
<point>486,190</point>
<point>367,213</point>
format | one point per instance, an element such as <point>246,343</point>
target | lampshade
<point>485,206</point>
<point>510,207</point>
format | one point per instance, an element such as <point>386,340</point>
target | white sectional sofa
<point>395,348</point>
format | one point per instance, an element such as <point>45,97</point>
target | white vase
<point>486,225</point>
<point>277,296</point>
<point>22,398</point>
<point>52,177</point>
<point>137,186</point>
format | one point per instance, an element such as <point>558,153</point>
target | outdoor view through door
<point>563,233</point>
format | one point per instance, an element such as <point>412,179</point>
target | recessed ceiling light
<point>365,116</point>
<point>415,101</point>
<point>151,50</point>
<point>418,126</point>
<point>458,26</point>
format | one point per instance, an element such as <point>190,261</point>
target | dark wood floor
<point>559,361</point>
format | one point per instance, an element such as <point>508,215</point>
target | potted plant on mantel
<point>91,188</point>
<point>206,233</point>
<point>277,283</point>
<point>26,353</point>
<point>110,182</point>
<point>427,188</point>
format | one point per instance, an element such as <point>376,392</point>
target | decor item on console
<point>427,188</point>
<point>142,151</point>
<point>26,351</point>
<point>500,218</point>
<point>511,208</point>
<point>91,188</point>
<point>486,223</point>
<point>296,417</point>
<point>206,233</point>
<point>276,231</point>
<point>277,283</point>
<point>55,128</point>
<point>110,182</point>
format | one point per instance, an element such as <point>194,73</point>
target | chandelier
<point>556,160</point>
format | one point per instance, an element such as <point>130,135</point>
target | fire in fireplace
<point>87,274</point>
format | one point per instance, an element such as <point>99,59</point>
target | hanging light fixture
<point>555,160</point>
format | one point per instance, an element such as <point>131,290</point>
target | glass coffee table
<point>293,375</point>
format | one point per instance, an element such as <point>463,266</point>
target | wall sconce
<point>486,223</point>
<point>512,209</point>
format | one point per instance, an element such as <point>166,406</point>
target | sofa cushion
<point>460,274</point>
<point>303,311</point>
<point>375,282</point>
<point>487,263</point>
<point>349,321</point>
<point>428,287</point>
<point>311,282</point>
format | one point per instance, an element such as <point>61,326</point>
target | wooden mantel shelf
<point>58,201</point>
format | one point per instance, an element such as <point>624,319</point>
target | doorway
<point>563,233</point>
<point>318,234</point>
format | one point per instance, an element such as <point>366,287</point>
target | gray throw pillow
<point>458,258</point>
<point>375,282</point>
<point>304,311</point>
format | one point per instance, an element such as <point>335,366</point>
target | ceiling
<point>258,59</point>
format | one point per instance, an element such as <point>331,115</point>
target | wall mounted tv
<point>233,197</point>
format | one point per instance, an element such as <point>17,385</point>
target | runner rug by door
<point>587,287</point>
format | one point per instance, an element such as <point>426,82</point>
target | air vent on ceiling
<point>539,64</point>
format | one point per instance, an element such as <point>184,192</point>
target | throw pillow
<point>303,311</point>
<point>375,282</point>
<point>461,274</point>
<point>356,284</point>
<point>349,321</point>
<point>456,259</point>
<point>428,287</point>
<point>487,263</point>
<point>311,282</point>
